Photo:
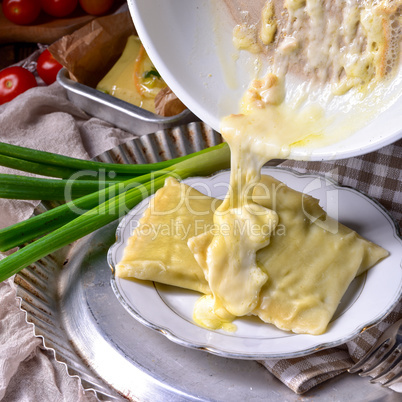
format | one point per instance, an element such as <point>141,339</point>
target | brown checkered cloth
<point>379,175</point>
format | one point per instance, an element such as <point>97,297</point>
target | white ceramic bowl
<point>190,43</point>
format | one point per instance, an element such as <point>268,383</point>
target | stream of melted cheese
<point>264,131</point>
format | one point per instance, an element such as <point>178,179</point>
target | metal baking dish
<point>118,112</point>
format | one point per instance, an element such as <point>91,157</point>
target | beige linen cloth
<point>43,118</point>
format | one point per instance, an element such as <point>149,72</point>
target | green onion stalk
<point>116,200</point>
<point>32,188</point>
<point>50,164</point>
<point>30,229</point>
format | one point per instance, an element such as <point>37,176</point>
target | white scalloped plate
<point>369,298</point>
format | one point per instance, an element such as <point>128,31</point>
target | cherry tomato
<point>14,81</point>
<point>96,7</point>
<point>59,8</point>
<point>47,67</point>
<point>21,12</point>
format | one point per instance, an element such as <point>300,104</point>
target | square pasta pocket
<point>157,250</point>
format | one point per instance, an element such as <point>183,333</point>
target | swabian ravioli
<point>310,260</point>
<point>311,266</point>
<point>157,250</point>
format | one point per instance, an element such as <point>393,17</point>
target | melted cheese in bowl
<point>342,56</point>
<point>347,44</point>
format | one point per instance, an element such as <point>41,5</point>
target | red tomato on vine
<point>58,8</point>
<point>96,7</point>
<point>14,81</point>
<point>47,67</point>
<point>21,12</point>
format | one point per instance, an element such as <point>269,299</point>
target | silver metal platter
<point>69,299</point>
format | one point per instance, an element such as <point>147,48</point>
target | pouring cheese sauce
<point>260,134</point>
<point>297,280</point>
<point>359,48</point>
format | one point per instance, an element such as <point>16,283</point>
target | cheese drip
<point>243,228</point>
<point>266,130</point>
